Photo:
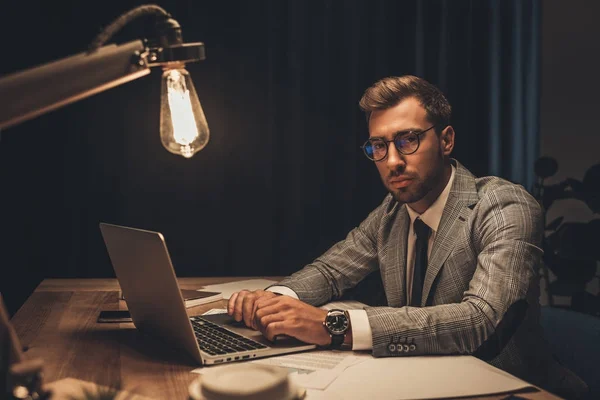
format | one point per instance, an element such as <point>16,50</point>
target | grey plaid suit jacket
<point>481,290</point>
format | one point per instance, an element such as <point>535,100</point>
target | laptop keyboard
<point>216,340</point>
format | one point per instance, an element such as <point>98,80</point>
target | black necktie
<point>422,231</point>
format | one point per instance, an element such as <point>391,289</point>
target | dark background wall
<point>282,178</point>
<point>569,115</point>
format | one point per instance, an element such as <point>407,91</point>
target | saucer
<point>245,382</point>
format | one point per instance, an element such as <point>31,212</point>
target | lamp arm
<point>36,91</point>
<point>42,89</point>
<point>124,19</point>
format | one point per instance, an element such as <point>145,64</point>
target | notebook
<point>143,267</point>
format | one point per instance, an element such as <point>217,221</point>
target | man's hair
<point>390,91</point>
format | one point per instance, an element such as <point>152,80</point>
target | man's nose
<point>394,158</point>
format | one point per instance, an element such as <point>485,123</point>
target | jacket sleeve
<point>505,231</point>
<point>341,267</point>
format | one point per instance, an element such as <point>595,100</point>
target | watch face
<point>336,322</point>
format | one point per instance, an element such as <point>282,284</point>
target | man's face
<point>416,179</point>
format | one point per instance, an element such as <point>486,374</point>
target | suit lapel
<point>395,274</point>
<point>463,194</point>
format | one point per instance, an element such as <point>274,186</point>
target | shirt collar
<point>433,214</point>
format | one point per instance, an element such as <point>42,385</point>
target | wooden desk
<point>58,324</point>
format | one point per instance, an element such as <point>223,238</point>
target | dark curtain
<point>283,177</point>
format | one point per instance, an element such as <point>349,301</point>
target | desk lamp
<point>29,93</point>
<point>183,127</point>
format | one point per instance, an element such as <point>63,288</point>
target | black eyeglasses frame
<point>387,143</point>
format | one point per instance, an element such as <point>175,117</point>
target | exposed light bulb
<point>183,127</point>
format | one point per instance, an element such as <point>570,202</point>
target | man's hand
<point>241,305</point>
<point>285,315</point>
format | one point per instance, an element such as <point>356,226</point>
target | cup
<point>245,382</point>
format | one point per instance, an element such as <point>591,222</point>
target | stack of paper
<point>357,375</point>
<point>425,377</point>
<point>328,374</point>
<point>227,289</point>
<point>194,298</point>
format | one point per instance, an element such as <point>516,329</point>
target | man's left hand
<point>284,315</point>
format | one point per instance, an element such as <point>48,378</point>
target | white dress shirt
<point>362,338</point>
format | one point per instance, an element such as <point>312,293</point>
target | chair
<point>574,338</point>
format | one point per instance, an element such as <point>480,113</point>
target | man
<point>458,255</point>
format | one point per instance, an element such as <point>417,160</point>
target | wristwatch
<point>337,324</point>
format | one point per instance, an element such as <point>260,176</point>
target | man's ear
<point>447,140</point>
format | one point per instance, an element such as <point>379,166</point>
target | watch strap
<point>337,341</point>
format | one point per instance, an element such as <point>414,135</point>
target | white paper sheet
<point>311,370</point>
<point>227,289</point>
<point>357,375</point>
<point>215,311</point>
<point>314,369</point>
<point>348,375</point>
<point>428,377</point>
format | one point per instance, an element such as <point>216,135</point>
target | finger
<point>263,311</point>
<point>262,295</point>
<point>269,301</point>
<point>247,308</point>
<point>276,328</point>
<point>253,318</point>
<point>264,300</point>
<point>239,301</point>
<point>263,323</point>
<point>260,318</point>
<point>231,303</point>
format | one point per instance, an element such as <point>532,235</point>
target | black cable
<point>121,21</point>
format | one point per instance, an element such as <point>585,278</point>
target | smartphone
<point>114,316</point>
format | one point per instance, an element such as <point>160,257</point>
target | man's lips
<point>400,182</point>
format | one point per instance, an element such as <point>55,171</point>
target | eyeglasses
<point>376,149</point>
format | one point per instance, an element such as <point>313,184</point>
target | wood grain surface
<point>58,324</point>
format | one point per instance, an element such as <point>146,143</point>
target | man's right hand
<point>242,305</point>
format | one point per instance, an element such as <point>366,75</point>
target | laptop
<point>145,273</point>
